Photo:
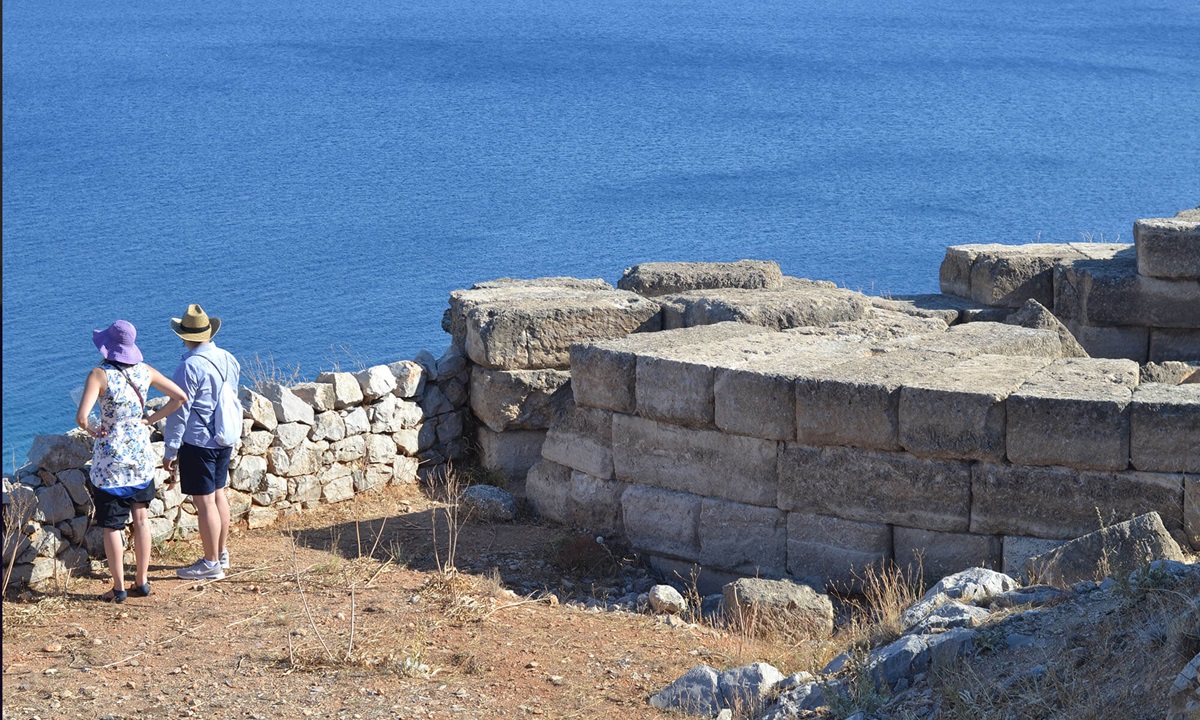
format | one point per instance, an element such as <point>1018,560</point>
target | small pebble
<point>52,648</point>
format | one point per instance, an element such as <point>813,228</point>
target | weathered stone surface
<point>259,409</point>
<point>972,585</point>
<point>434,402</point>
<point>260,517</point>
<point>1008,275</point>
<point>524,327</point>
<point>304,459</point>
<point>1168,345</point>
<point>875,487</point>
<point>945,308</point>
<point>754,389</point>
<point>953,614</point>
<point>54,504</point>
<point>289,435</point>
<point>1073,413</point>
<point>603,373</point>
<point>913,654</point>
<point>706,462</point>
<point>1170,372</point>
<point>547,488</point>
<point>985,338</point>
<point>665,599</point>
<point>797,303</point>
<point>856,402</point>
<point>357,421</point>
<point>1017,551</point>
<point>664,278</point>
<point>1127,343</point>
<point>512,452</point>
<point>257,441</point>
<point>749,687</point>
<point>663,522</point>
<point>833,552</point>
<point>1110,551</point>
<point>75,481</point>
<point>595,503</point>
<point>1164,428</point>
<point>320,395</point>
<point>695,693</point>
<point>249,473</point>
<point>743,538</point>
<point>405,470</point>
<point>408,441</point>
<point>582,439</point>
<point>1035,315</point>
<point>806,696</point>
<point>328,425</point>
<point>349,449</point>
<point>288,407</point>
<point>410,378</point>
<point>937,554</point>
<point>55,453</point>
<point>338,489</point>
<point>518,399</point>
<point>1168,247</point>
<point>346,390</point>
<point>960,412</point>
<point>1111,292</point>
<point>239,504</point>
<point>376,382</point>
<point>489,503</point>
<point>1056,502</point>
<point>765,604</point>
<point>380,448</point>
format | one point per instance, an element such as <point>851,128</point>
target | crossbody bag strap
<point>129,382</point>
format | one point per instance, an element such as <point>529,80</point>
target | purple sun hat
<point>115,342</point>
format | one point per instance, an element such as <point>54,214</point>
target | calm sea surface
<point>322,174</point>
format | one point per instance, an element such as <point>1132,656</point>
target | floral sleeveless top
<point>122,460</point>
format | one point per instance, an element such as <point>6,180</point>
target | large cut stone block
<point>454,320</point>
<point>1075,413</point>
<point>512,452</point>
<point>603,373</point>
<point>595,503</point>
<point>959,412</point>
<point>1057,502</point>
<point>1169,247</point>
<point>662,522</point>
<point>1112,551</point>
<point>704,462</point>
<point>798,303</point>
<point>985,338</point>
<point>521,327</point>
<point>1164,428</point>
<point>1035,315</point>
<point>662,278</point>
<point>743,538</point>
<point>938,554</point>
<point>582,439</point>
<point>834,552</point>
<point>1167,345</point>
<point>518,399</point>
<point>875,487</point>
<point>1008,275</point>
<point>946,308</point>
<point>547,487</point>
<point>1126,343</point>
<point>1018,551</point>
<point>1111,292</point>
<point>856,402</point>
<point>758,397</point>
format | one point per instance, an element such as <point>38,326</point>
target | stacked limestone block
<point>813,454</point>
<point>517,335</point>
<point>1139,302</point>
<point>302,445</point>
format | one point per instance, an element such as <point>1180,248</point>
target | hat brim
<point>214,324</point>
<point>129,355</point>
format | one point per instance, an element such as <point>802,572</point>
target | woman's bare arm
<point>92,389</point>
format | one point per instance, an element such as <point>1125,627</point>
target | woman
<point>122,462</point>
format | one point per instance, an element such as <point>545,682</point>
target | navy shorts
<point>202,471</point>
<point>112,511</point>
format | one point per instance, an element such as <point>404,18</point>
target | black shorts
<point>112,511</point>
<point>202,471</point>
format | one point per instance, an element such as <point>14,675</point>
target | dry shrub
<point>583,554</point>
<point>884,593</point>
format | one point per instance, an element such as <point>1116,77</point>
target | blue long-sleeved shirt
<point>200,375</point>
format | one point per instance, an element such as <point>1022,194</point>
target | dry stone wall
<point>302,445</point>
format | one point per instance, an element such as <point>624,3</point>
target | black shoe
<point>113,596</point>
<point>140,590</point>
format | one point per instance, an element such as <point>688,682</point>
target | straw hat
<point>116,342</point>
<point>196,325</point>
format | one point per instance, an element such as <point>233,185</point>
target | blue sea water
<point>322,174</point>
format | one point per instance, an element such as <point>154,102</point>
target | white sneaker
<point>224,560</point>
<point>201,570</point>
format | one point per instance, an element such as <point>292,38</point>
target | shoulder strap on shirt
<point>135,388</point>
<point>210,362</point>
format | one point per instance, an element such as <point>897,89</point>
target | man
<point>203,463</point>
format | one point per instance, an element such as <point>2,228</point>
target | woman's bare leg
<point>141,543</point>
<point>114,551</point>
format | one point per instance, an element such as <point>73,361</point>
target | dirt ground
<point>341,613</point>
